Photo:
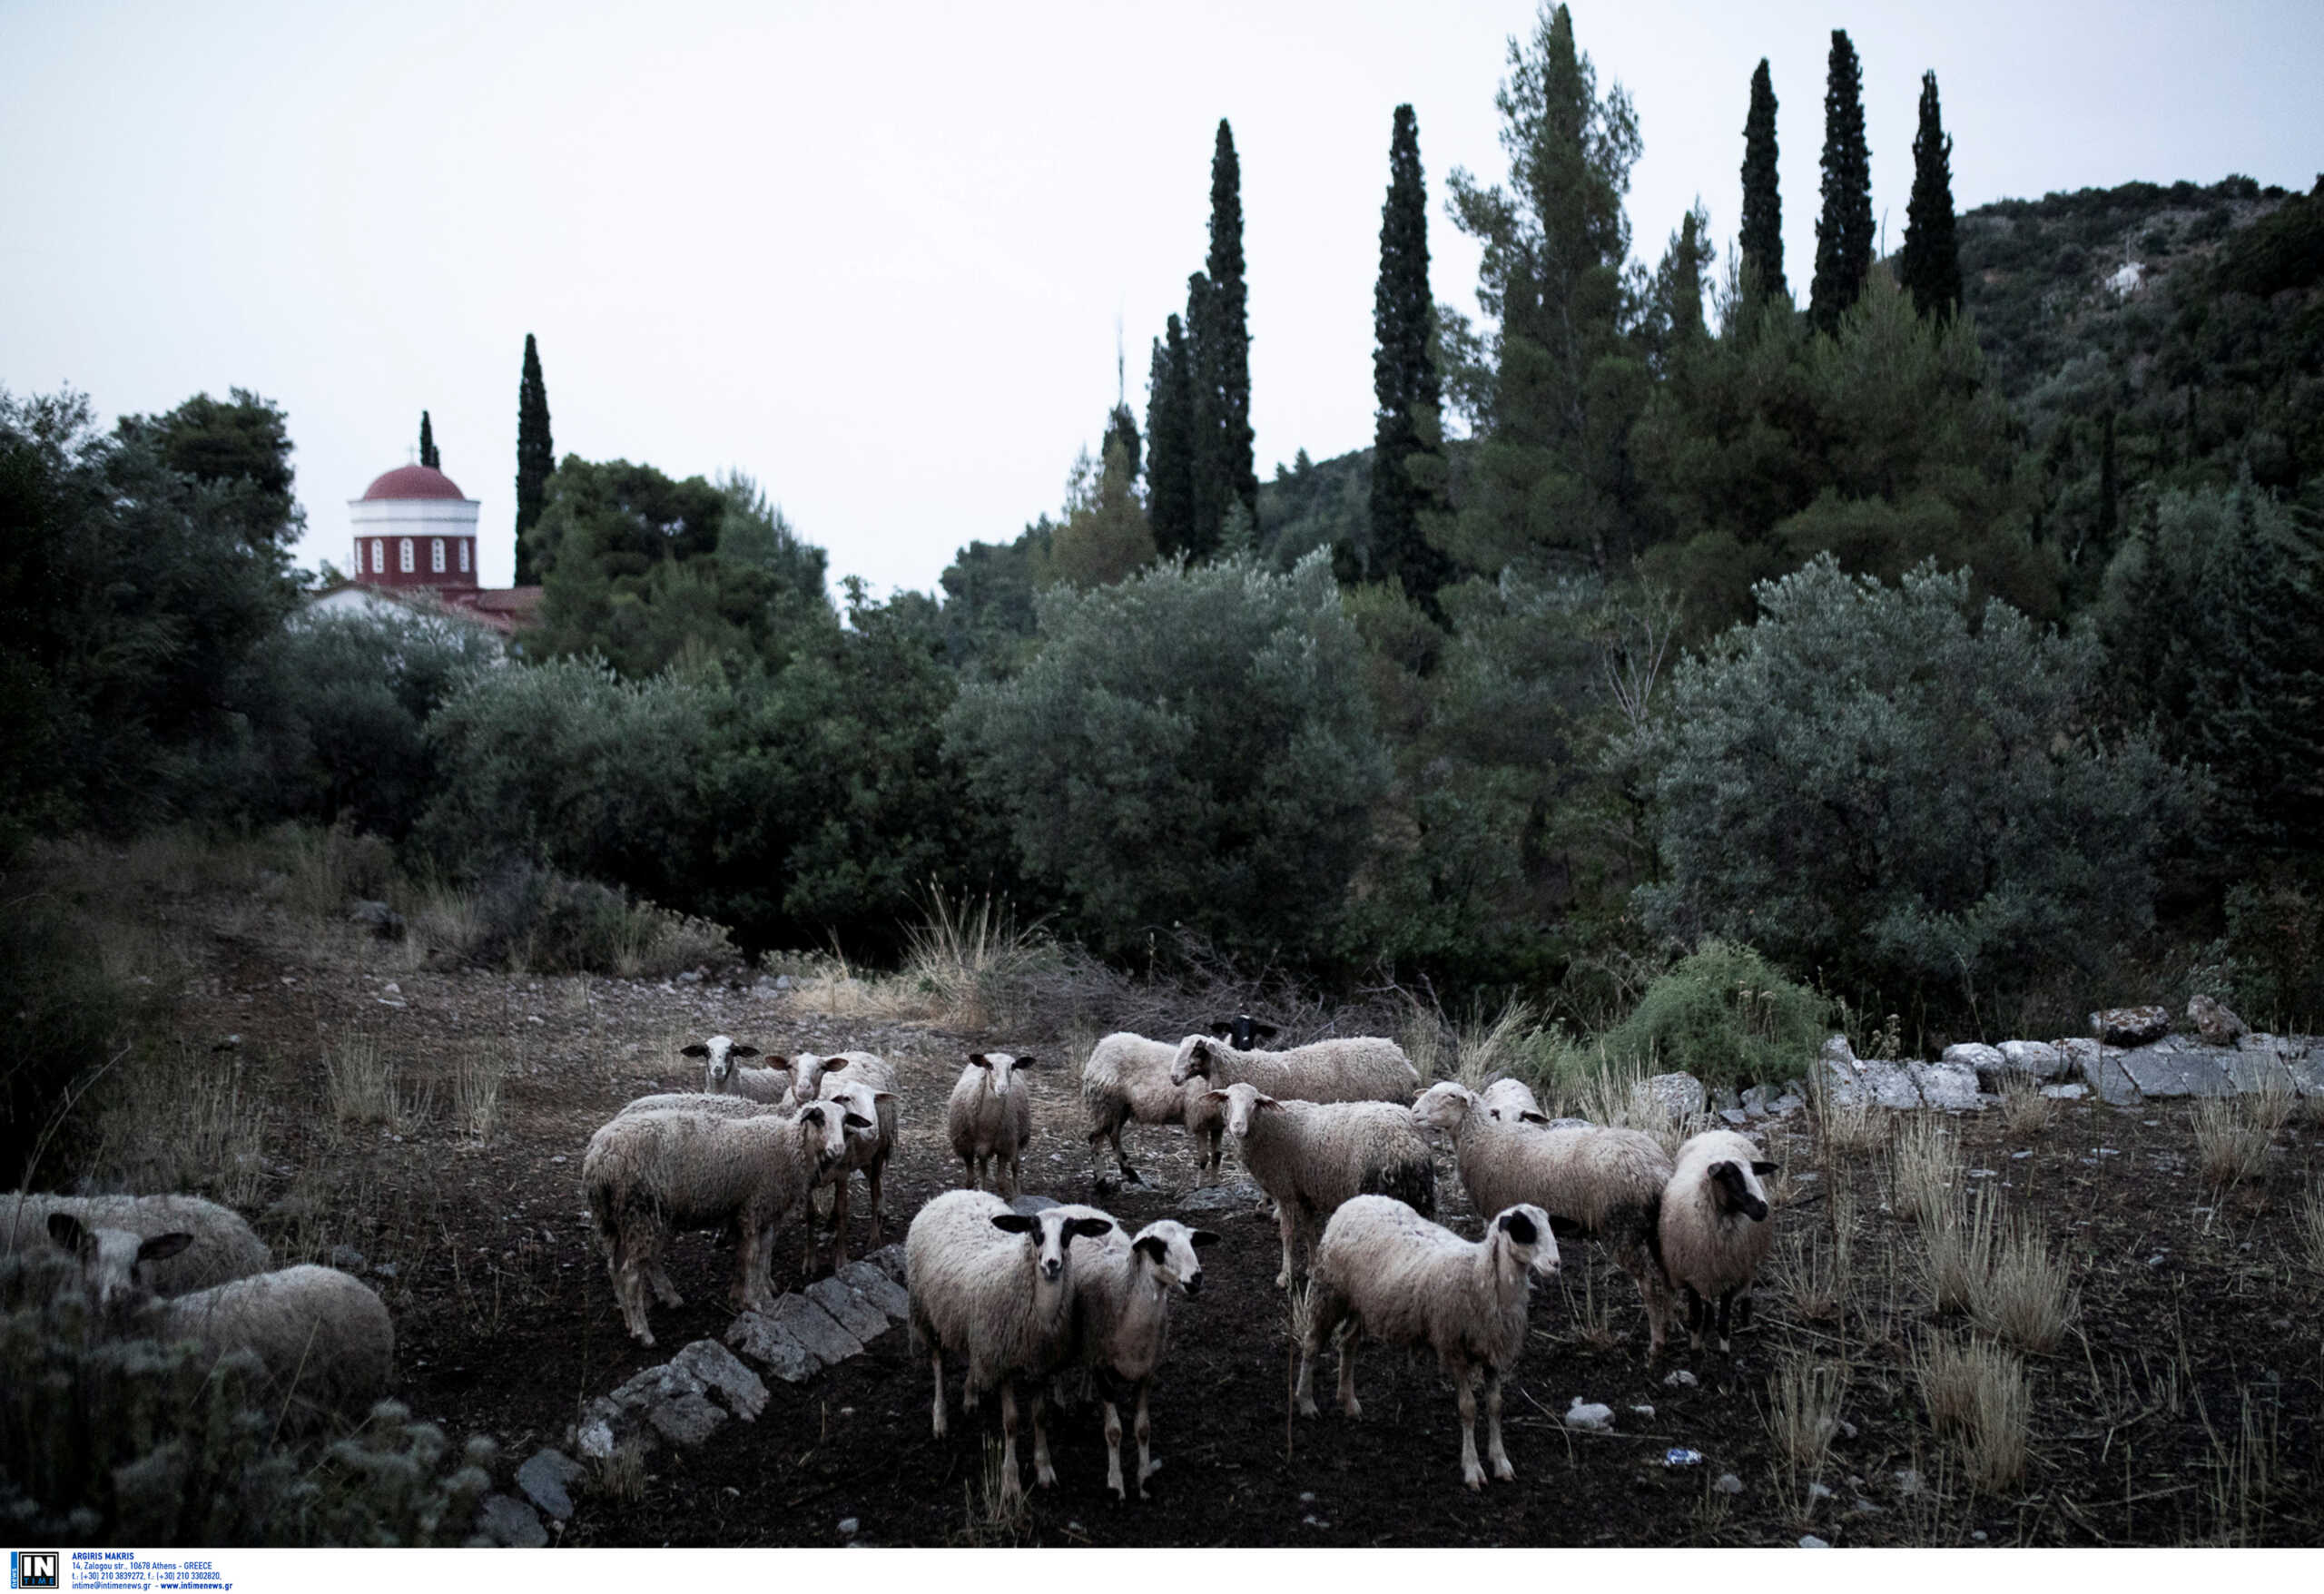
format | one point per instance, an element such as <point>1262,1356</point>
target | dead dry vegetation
<point>2049,1323</point>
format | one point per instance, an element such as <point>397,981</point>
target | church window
<point>403,554</point>
<point>435,554</point>
<point>464,556</point>
<point>379,556</point>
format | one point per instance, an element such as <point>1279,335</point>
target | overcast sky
<point>875,255</point>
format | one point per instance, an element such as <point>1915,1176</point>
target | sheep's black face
<point>1732,1193</point>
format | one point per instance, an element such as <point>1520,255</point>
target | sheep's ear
<point>856,1121</point>
<point>1152,1247</point>
<point>1199,1238</point>
<point>1025,1063</point>
<point>1763,1168</point>
<point>977,1059</point>
<point>775,1061</point>
<point>1265,1030</point>
<point>1085,1228</point>
<point>810,1114</point>
<point>1533,1117</point>
<point>161,1247</point>
<point>66,1231</point>
<point>883,1096</point>
<point>696,1050</point>
<point>1222,1028</point>
<point>1014,1223</point>
<point>1268,1104</point>
<point>1520,1228</point>
<point>743,1048</point>
<point>834,1065</point>
<point>1214,1095</point>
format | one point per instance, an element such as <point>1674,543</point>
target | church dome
<point>413,481</point>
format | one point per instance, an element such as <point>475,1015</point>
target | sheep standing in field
<point>1121,1324</point>
<point>323,1338</point>
<point>989,1119</point>
<point>995,1288</point>
<point>222,1246</point>
<point>649,1173</point>
<point>1362,1067</point>
<point>1715,1231</point>
<point>867,1150</point>
<point>1313,1156</point>
<point>1606,1184</point>
<point>695,1101</point>
<point>1127,1080</point>
<point>724,1075</point>
<point>1388,1272</point>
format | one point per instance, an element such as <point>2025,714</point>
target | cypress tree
<point>428,455</point>
<point>1931,268</point>
<point>1206,503</point>
<point>1844,230</point>
<point>1121,432</point>
<point>1404,380</point>
<point>1226,471</point>
<point>536,458</point>
<point>1169,441</point>
<point>1762,236</point>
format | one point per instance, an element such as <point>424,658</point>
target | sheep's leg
<point>1289,1229</point>
<point>753,1264</point>
<point>1114,1452</point>
<point>1043,1474</point>
<point>838,1222</point>
<point>1493,1451</point>
<point>1012,1487</point>
<point>1695,1313</point>
<point>936,1372</point>
<point>1348,1342</point>
<point>1725,1302</point>
<point>1146,1461</point>
<point>871,1177</point>
<point>1218,1153</point>
<point>1130,1174</point>
<point>1016,1169</point>
<point>1465,1393</point>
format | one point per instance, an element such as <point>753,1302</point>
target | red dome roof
<point>414,481</point>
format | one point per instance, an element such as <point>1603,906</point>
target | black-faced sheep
<point>223,1246</point>
<point>1390,1274</point>
<point>1714,1227</point>
<point>989,1120</point>
<point>1312,1157</point>
<point>1121,1323</point>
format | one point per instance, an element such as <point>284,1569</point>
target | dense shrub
<point>544,922</point>
<point>61,1012</point>
<point>1727,1016</point>
<point>1190,747</point>
<point>1866,783</point>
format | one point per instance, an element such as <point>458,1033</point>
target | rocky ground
<point>2182,1405</point>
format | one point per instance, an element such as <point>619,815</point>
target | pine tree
<point>1931,269</point>
<point>1844,230</point>
<point>535,459</point>
<point>428,455</point>
<point>1762,236</point>
<point>1169,440</point>
<point>1225,470</point>
<point>1407,464</point>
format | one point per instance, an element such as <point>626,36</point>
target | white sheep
<point>1389,1274</point>
<point>1121,1323</point>
<point>1127,1080</point>
<point>648,1172</point>
<point>1714,1229</point>
<point>867,1150</point>
<point>695,1101</point>
<point>1362,1068</point>
<point>989,1119</point>
<point>223,1246</point>
<point>324,1338</point>
<point>724,1075</point>
<point>1512,1101</point>
<point>995,1288</point>
<point>1606,1184</point>
<point>1312,1157</point>
<point>813,1077</point>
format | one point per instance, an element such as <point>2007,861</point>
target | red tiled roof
<point>414,481</point>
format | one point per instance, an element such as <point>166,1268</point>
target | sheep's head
<point>1522,1235</point>
<point>1243,1032</point>
<point>1168,1248</point>
<point>860,1104</point>
<point>1446,1105</point>
<point>1054,1229</point>
<point>1509,1101</point>
<point>1197,1054</point>
<point>1000,1067</point>
<point>720,1054</point>
<point>1735,1187</point>
<point>823,1126</point>
<point>112,1260</point>
<point>1241,1101</point>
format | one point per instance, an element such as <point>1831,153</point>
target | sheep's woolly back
<point>980,1122</point>
<point>768,1087</point>
<point>977,1293</point>
<point>1704,1249</point>
<point>224,1245</point>
<point>1359,1067</point>
<point>324,1337</point>
<point>1317,1155</point>
<point>1127,1080</point>
<point>1408,1281</point>
<point>694,1170</point>
<point>695,1101</point>
<point>1585,1177</point>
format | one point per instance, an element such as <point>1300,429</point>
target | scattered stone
<point>1755,1100</point>
<point>384,1269</point>
<point>1645,1412</point>
<point>1809,1542</point>
<point>889,1260</point>
<point>878,1288</point>
<point>765,1341</point>
<point>1735,1116</point>
<point>2250,1072</point>
<point>1232,1197</point>
<point>384,922</point>
<point>2130,1026</point>
<point>1817,1491</point>
<point>2215,1020</point>
<point>548,1480</point>
<point>1725,1099</point>
<point>510,1523</point>
<point>848,1526</point>
<point>691,977</point>
<point>1789,1103</point>
<point>1978,1534</point>
<point>715,1367</point>
<point>1908,1482</point>
<point>1863,1508</point>
<point>2164,1069</point>
<point>1950,1087</point>
<point>1593,1418</point>
<point>1984,1060</point>
<point>1890,1085</point>
<point>1847,1429</point>
<point>1679,1096</point>
<point>1682,1379</point>
<point>346,1258</point>
<point>2073,1092</point>
<point>2037,1057</point>
<point>1728,1483</point>
<point>814,1328</point>
<point>2306,1068</point>
<point>848,1307</point>
<point>595,1439</point>
<point>1030,1205</point>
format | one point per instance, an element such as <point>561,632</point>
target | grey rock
<point>1817,1491</point>
<point>1755,1100</point>
<point>782,982</point>
<point>815,1328</point>
<point>1681,1379</point>
<point>1232,1197</point>
<point>1726,1100</point>
<point>771,1346</point>
<point>2306,1068</point>
<point>384,1269</point>
<point>1889,1084</point>
<point>1735,1116</point>
<point>510,1523</point>
<point>889,1260</point>
<point>2215,1020</point>
<point>1592,1417</point>
<point>1909,1483</point>
<point>346,1259</point>
<point>2037,1057</point>
<point>1984,1060</point>
<point>715,1367</point>
<point>2163,1070</point>
<point>848,1308</point>
<point>548,1480</point>
<point>688,1420</point>
<point>848,1526</point>
<point>2250,1072</point>
<point>1030,1205</point>
<point>2130,1026</point>
<point>1789,1103</point>
<point>1679,1096</point>
<point>878,1288</point>
<point>1809,1542</point>
<point>594,1437</point>
<point>1728,1483</point>
<point>1952,1087</point>
<point>2105,1075</point>
<point>1837,1049</point>
<point>2076,1092</point>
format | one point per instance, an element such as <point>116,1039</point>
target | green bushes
<point>1727,1016</point>
<point>547,923</point>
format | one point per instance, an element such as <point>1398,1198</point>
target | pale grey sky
<point>873,255</point>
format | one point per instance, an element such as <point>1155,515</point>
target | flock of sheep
<point>1066,1295</point>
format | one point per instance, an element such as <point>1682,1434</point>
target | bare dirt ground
<point>2182,1405</point>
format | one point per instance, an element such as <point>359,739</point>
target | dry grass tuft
<point>1590,1316</point>
<point>1818,1270</point>
<point>478,1072</point>
<point>360,1083</point>
<point>1976,1397</point>
<point>2026,1296</point>
<point>995,1515</point>
<point>1957,1251</point>
<point>184,1121</point>
<point>1804,1409</point>
<point>622,1475</point>
<point>1488,1050</point>
<point>1847,1126</point>
<point>2232,1133</point>
<point>963,961</point>
<point>2312,1233</point>
<point>2025,1112</point>
<point>2243,1469</point>
<point>1927,1165</point>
